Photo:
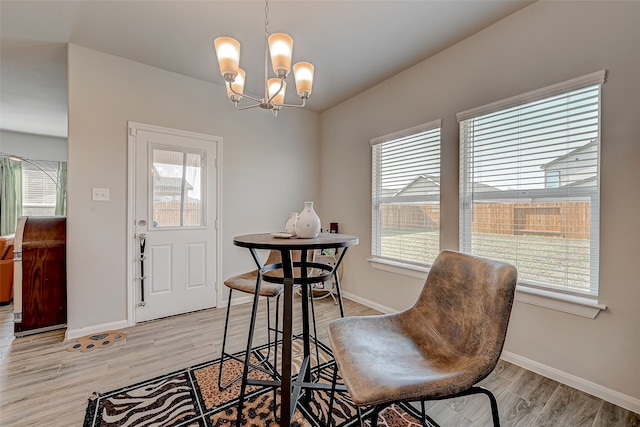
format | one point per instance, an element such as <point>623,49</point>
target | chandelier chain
<point>266,17</point>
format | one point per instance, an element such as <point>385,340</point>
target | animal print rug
<point>190,397</point>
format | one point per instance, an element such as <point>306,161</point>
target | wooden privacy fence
<point>167,214</point>
<point>558,219</point>
<point>397,216</point>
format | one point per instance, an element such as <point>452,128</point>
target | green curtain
<point>10,194</point>
<point>61,192</point>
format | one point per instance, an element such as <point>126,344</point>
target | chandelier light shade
<point>303,72</point>
<point>279,48</point>
<point>277,89</point>
<point>228,52</point>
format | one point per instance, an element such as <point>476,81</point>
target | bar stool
<point>248,283</point>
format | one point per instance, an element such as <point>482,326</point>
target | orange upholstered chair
<point>6,269</point>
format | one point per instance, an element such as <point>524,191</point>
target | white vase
<point>308,224</point>
<point>291,223</point>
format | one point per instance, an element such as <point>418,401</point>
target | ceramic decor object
<point>308,224</point>
<point>291,223</point>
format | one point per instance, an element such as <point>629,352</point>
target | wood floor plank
<point>43,384</point>
<point>611,415</point>
<point>534,388</point>
<point>569,407</point>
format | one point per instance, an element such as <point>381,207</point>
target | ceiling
<point>353,44</point>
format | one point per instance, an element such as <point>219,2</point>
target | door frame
<point>131,252</point>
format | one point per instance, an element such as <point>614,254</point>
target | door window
<point>177,181</point>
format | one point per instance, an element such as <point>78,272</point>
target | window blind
<point>406,195</point>
<point>529,184</point>
<point>39,185</point>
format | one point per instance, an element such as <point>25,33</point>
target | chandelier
<point>280,47</point>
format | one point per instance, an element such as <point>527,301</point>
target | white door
<point>174,221</point>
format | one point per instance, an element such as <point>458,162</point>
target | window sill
<point>572,304</point>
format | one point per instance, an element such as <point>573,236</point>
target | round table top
<point>323,241</point>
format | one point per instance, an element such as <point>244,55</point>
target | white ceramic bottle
<point>308,224</point>
<point>291,223</point>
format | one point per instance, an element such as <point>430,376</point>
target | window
<point>529,184</point>
<point>406,195</point>
<point>553,179</point>
<point>40,183</point>
<point>177,183</point>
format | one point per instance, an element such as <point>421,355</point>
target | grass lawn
<point>544,260</point>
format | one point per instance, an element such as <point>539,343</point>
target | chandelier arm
<point>275,94</point>
<point>244,95</point>
<point>244,108</point>
<point>304,102</point>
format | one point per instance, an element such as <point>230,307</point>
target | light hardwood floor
<point>43,384</point>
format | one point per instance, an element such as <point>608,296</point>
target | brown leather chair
<point>440,348</point>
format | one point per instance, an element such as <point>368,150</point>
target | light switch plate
<point>100,194</point>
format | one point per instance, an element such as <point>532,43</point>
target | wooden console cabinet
<point>41,256</point>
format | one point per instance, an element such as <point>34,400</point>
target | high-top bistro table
<point>290,390</point>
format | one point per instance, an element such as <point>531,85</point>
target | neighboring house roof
<point>388,192</point>
<point>421,182</point>
<point>580,182</point>
<point>424,182</point>
<point>169,182</point>
<point>570,154</point>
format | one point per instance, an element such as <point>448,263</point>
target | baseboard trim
<point>72,334</point>
<point>628,402</point>
<point>368,303</point>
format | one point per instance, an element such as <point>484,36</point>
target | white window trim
<point>379,261</point>
<point>565,303</point>
<point>407,132</point>
<point>589,80</point>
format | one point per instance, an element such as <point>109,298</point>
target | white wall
<point>546,43</point>
<point>36,147</point>
<point>269,166</point>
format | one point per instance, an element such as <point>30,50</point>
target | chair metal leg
<point>315,331</point>
<point>245,372</point>
<point>332,395</point>
<point>227,357</point>
<point>337,280</point>
<point>429,422</point>
<point>275,358</point>
<point>224,343</point>
<point>492,400</point>
<point>361,419</point>
<point>339,294</point>
<point>277,331</point>
<point>494,404</point>
<point>268,328</point>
